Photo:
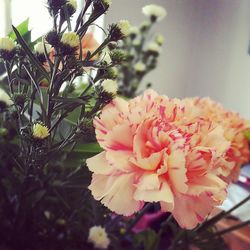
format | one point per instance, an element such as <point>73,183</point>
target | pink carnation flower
<point>157,150</point>
<point>233,125</point>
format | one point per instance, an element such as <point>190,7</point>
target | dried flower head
<point>154,12</point>
<point>40,131</point>
<point>99,237</point>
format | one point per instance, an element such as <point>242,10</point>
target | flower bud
<point>110,86</point>
<point>101,5</point>
<point>119,30</point>
<point>154,12</point>
<point>118,56</point>
<point>69,43</point>
<point>140,67</point>
<point>55,5</point>
<point>40,51</point>
<point>40,131</point>
<point>159,40</point>
<point>154,48</point>
<point>98,237</point>
<point>53,38</point>
<point>7,48</point>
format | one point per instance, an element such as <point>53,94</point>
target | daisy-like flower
<point>110,86</point>
<point>40,131</point>
<point>169,155</point>
<point>70,39</point>
<point>140,67</point>
<point>154,12</point>
<point>124,27</point>
<point>98,237</point>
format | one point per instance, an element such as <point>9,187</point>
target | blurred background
<point>206,50</point>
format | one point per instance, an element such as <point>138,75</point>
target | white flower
<point>154,47</point>
<point>98,236</point>
<point>154,11</point>
<point>40,131</point>
<point>39,48</point>
<point>7,44</point>
<point>73,3</point>
<point>4,97</point>
<point>71,39</point>
<point>124,27</point>
<point>140,67</point>
<point>110,86</point>
<point>133,30</point>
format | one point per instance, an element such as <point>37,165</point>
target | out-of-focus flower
<point>167,156</point>
<point>154,48</point>
<point>40,131</point>
<point>99,237</point>
<point>140,67</point>
<point>155,12</point>
<point>159,40</point>
<point>234,127</point>
<point>133,30</point>
<point>39,48</point>
<point>89,44</point>
<point>137,42</point>
<point>110,86</point>
<point>4,99</point>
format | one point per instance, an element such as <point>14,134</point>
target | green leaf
<point>29,53</point>
<point>247,135</point>
<point>23,29</point>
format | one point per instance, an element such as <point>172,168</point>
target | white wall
<point>206,48</point>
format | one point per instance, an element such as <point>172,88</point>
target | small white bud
<point>110,86</point>
<point>99,237</point>
<point>154,11</point>
<point>140,67</point>
<point>7,44</point>
<point>39,48</point>
<point>71,39</point>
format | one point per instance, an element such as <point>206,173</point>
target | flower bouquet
<point>87,169</point>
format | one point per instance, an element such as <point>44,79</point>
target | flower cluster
<point>175,152</point>
<point>142,52</point>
